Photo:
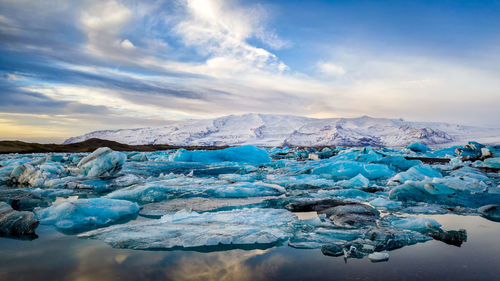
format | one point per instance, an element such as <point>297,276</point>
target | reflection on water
<point>55,256</point>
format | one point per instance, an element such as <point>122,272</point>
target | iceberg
<point>23,200</point>
<point>416,173</point>
<point>384,203</point>
<point>352,215</point>
<point>344,170</point>
<point>18,224</point>
<point>75,215</point>
<point>244,154</point>
<point>378,257</point>
<point>355,182</point>
<point>185,187</point>
<point>198,204</point>
<point>36,173</point>
<point>491,212</point>
<point>418,147</point>
<point>492,162</point>
<point>185,229</point>
<point>102,162</point>
<point>415,223</point>
<point>399,162</point>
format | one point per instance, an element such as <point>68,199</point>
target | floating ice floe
<point>190,229</point>
<point>491,212</point>
<point>199,204</point>
<point>240,197</point>
<point>102,162</point>
<point>20,224</point>
<point>86,213</point>
<point>414,223</point>
<point>416,173</point>
<point>349,169</point>
<point>355,182</point>
<point>384,203</point>
<point>182,187</point>
<point>418,147</point>
<point>378,257</point>
<point>245,154</point>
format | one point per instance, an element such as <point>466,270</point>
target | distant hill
<point>278,130</point>
<point>84,146</point>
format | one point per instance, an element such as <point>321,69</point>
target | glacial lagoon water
<point>248,213</point>
<point>56,256</point>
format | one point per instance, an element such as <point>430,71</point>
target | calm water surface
<point>56,256</point>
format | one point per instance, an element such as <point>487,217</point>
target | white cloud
<point>330,69</point>
<point>126,44</point>
<point>220,30</point>
<point>103,22</point>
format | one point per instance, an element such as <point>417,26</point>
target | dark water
<point>55,256</point>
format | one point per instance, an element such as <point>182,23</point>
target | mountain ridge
<point>278,130</point>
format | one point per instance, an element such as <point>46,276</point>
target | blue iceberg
<point>244,154</point>
<point>86,213</point>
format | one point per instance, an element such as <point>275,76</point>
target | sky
<point>71,67</point>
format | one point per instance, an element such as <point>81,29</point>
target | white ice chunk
<point>378,257</point>
<point>102,162</point>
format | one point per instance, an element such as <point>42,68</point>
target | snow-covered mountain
<point>274,130</point>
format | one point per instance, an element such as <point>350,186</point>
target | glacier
<point>345,201</point>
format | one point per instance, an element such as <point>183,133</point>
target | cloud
<point>119,64</point>
<point>330,69</point>
<point>220,30</point>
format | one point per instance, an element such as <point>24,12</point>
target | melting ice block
<point>199,204</point>
<point>384,203</point>
<point>16,224</point>
<point>185,187</point>
<point>491,212</point>
<point>244,154</point>
<point>36,173</point>
<point>418,147</point>
<point>415,223</point>
<point>190,229</point>
<point>349,169</point>
<point>86,213</point>
<point>102,162</point>
<point>355,182</point>
<point>416,173</point>
<point>378,257</point>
